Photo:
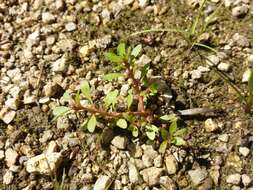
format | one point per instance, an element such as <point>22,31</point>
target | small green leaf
<point>163,146</point>
<point>130,99</point>
<point>77,97</point>
<point>122,123</point>
<point>111,98</point>
<point>91,125</point>
<point>170,118</point>
<point>144,71</point>
<point>112,76</point>
<point>129,118</point>
<point>151,135</point>
<point>66,97</point>
<point>173,128</point>
<point>135,52</point>
<point>178,141</point>
<point>164,134</point>
<point>85,89</point>
<point>113,57</point>
<point>121,49</point>
<point>59,111</point>
<point>153,88</point>
<point>135,131</point>
<point>180,132</point>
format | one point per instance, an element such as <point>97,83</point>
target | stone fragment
<point>120,142</point>
<point>44,163</point>
<point>47,17</point>
<point>102,183</point>
<point>234,179</point>
<point>171,164</point>
<point>133,173</point>
<point>240,11</point>
<point>11,157</point>
<point>197,176</point>
<point>8,177</point>
<point>60,65</point>
<point>210,125</point>
<point>244,151</point>
<point>7,116</point>
<point>149,154</point>
<point>245,76</point>
<point>213,60</point>
<point>167,183</point>
<point>71,26</point>
<point>246,180</point>
<point>224,67</point>
<point>151,175</point>
<point>1,155</point>
<point>240,40</point>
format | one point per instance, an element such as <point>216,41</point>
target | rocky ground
<point>50,46</point>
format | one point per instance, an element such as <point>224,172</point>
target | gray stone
<point>149,155</point>
<point>8,177</point>
<point>234,179</point>
<point>246,75</point>
<point>158,161</point>
<point>240,11</point>
<point>244,151</point>
<point>171,164</point>
<point>224,67</point>
<point>133,173</point>
<point>196,74</point>
<point>60,65</point>
<point>167,183</point>
<point>11,157</point>
<point>151,175</point>
<point>240,40</point>
<point>213,60</point>
<point>47,135</point>
<point>71,26</point>
<point>63,123</point>
<point>102,183</point>
<point>197,176</point>
<point>44,163</point>
<point>120,142</point>
<point>246,180</point>
<point>47,17</point>
<point>211,125</point>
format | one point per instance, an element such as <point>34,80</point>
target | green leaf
<point>129,118</point>
<point>144,71</point>
<point>66,97</point>
<point>85,89</point>
<point>173,128</point>
<point>180,132</point>
<point>121,49</point>
<point>91,125</point>
<point>163,146</point>
<point>164,134</point>
<point>77,97</point>
<point>135,52</point>
<point>130,99</point>
<point>122,123</point>
<point>135,131</point>
<point>112,76</point>
<point>151,131</point>
<point>154,88</point>
<point>111,98</point>
<point>113,57</point>
<point>59,111</point>
<point>170,118</point>
<point>151,135</point>
<point>178,141</point>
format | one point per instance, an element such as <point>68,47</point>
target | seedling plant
<point>136,116</point>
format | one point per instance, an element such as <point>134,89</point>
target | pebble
<point>167,183</point>
<point>143,3</point>
<point>196,74</point>
<point>240,40</point>
<point>149,154</point>
<point>234,179</point>
<point>48,18</point>
<point>240,11</point>
<point>143,60</point>
<point>250,58</point>
<point>71,26</point>
<point>197,176</point>
<point>151,175</point>
<point>60,65</point>
<point>11,157</point>
<point>7,116</point>
<point>133,173</point>
<point>171,164</point>
<point>44,163</point>
<point>210,125</point>
<point>120,142</point>
<point>246,75</point>
<point>158,161</point>
<point>102,183</point>
<point>8,177</point>
<point>246,180</point>
<point>224,67</point>
<point>1,155</point>
<point>212,60</point>
<point>223,137</point>
<point>244,151</point>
